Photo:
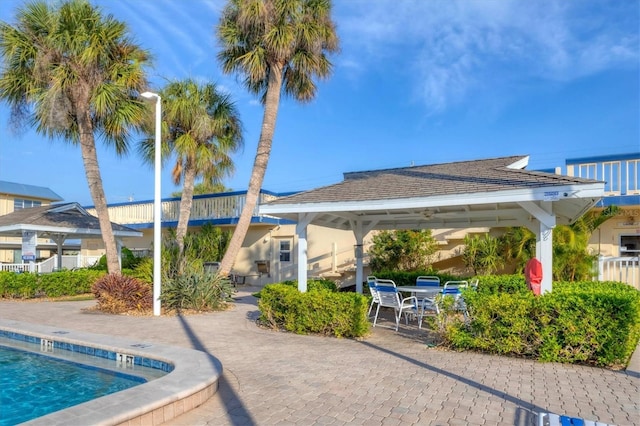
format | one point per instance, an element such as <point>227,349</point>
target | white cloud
<point>180,38</point>
<point>451,48</point>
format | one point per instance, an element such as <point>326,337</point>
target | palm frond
<point>297,35</point>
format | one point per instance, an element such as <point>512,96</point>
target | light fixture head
<point>149,95</point>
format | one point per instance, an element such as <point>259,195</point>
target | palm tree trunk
<point>92,171</point>
<point>186,201</point>
<point>259,168</point>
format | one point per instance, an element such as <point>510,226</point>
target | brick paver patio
<point>275,378</point>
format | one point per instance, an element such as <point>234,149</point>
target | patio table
<point>421,292</point>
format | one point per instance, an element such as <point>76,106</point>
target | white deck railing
<point>623,269</point>
<point>51,264</point>
<point>215,206</point>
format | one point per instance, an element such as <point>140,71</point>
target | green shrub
<point>319,311</point>
<point>55,284</point>
<point>118,294</point>
<point>591,322</point>
<point>495,284</point>
<point>596,323</point>
<point>21,286</point>
<point>195,291</point>
<point>314,284</point>
<point>501,323</point>
<point>142,271</point>
<point>68,283</point>
<point>127,258</point>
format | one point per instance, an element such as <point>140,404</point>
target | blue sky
<point>416,82</point>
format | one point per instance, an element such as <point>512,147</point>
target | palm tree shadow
<point>237,413</point>
<point>526,412</point>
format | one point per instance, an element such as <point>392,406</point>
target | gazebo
<point>496,192</point>
<point>59,222</point>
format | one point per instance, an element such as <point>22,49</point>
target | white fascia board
<point>520,164</point>
<point>548,193</point>
<point>69,231</point>
<point>67,207</point>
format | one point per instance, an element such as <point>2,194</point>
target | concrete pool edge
<point>193,380</point>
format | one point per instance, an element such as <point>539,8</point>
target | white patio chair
<point>374,292</point>
<point>474,283</point>
<point>371,283</point>
<point>390,298</point>
<point>454,289</point>
<point>551,419</point>
<point>382,281</point>
<point>428,280</point>
<point>427,303</point>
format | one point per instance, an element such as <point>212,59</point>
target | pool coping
<point>193,380</point>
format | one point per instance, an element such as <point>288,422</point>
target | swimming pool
<point>32,384</point>
<point>192,379</point>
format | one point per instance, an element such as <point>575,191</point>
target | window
<point>633,176</point>
<point>611,176</point>
<point>19,203</point>
<point>587,171</point>
<point>285,251</point>
<point>629,245</point>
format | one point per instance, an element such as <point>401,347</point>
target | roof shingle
<point>457,178</point>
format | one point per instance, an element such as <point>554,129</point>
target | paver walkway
<point>275,378</point>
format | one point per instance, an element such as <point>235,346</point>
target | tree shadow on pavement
<point>236,411</point>
<point>526,413</point>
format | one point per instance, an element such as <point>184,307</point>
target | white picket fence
<point>51,264</point>
<point>623,269</point>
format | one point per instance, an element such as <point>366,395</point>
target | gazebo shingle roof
<point>69,215</point>
<point>464,177</point>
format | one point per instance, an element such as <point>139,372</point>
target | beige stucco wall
<point>606,239</point>
<point>262,243</point>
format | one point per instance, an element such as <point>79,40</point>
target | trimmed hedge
<point>319,310</point>
<point>314,284</point>
<point>595,323</point>
<point>496,284</point>
<point>56,284</point>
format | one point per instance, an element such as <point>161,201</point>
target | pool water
<point>33,385</point>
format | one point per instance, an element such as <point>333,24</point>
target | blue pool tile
<point>102,353</point>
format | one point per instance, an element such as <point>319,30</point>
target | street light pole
<point>157,211</point>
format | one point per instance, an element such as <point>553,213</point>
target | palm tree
<point>72,73</point>
<point>519,246</point>
<point>202,128</point>
<point>483,254</point>
<point>277,46</point>
<point>202,188</point>
<point>572,259</point>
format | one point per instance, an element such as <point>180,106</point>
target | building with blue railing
<point>620,235</point>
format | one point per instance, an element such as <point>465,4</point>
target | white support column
<point>119,249</point>
<point>546,221</point>
<point>334,257</point>
<point>600,267</point>
<point>357,231</point>
<point>301,231</point>
<point>59,240</point>
<point>544,252</point>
